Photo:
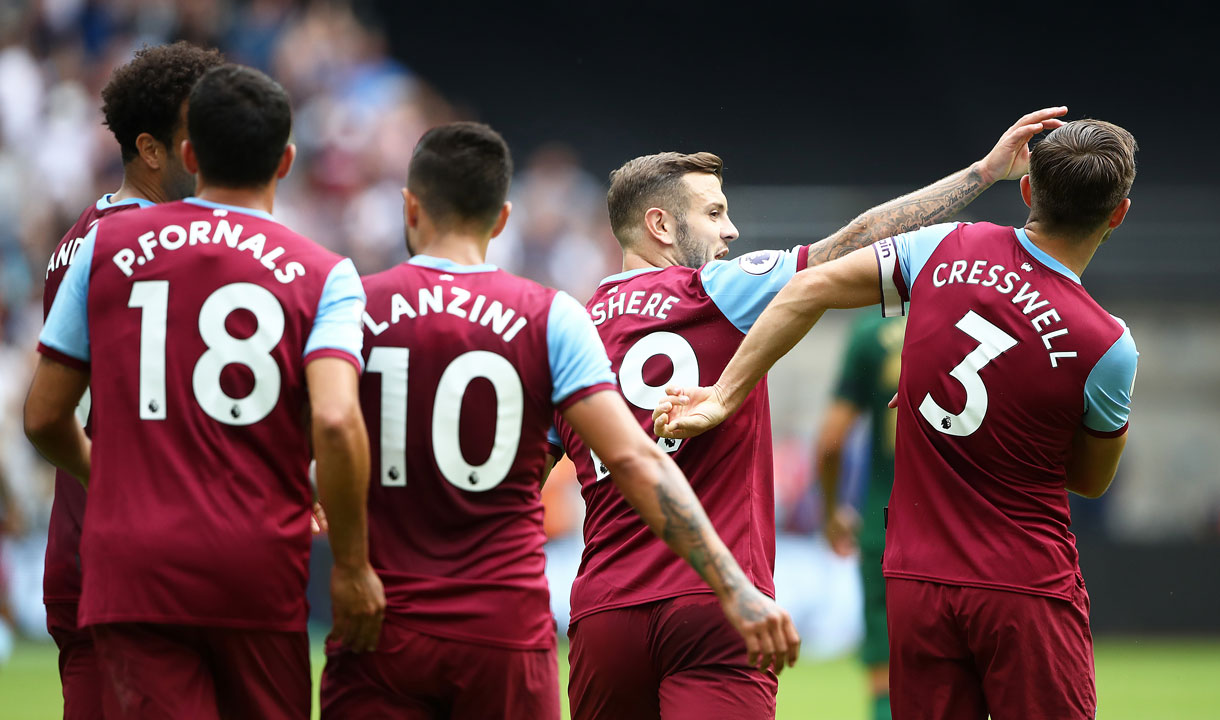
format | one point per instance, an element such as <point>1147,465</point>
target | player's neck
<point>1074,252</point>
<point>137,185</point>
<point>461,248</point>
<point>260,198</point>
<point>633,260</point>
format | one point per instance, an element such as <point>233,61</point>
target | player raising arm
<point>214,336</point>
<point>646,639</point>
<point>1015,388</point>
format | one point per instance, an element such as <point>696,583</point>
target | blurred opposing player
<point>646,640</point>
<point>467,365</point>
<point>145,107</point>
<point>205,323</point>
<point>868,378</point>
<point>1015,389</point>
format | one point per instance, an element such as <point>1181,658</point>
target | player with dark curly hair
<point>145,107</point>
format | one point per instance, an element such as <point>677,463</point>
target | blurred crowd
<point>357,117</point>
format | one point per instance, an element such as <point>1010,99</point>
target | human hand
<point>841,528</point>
<point>771,639</point>
<point>317,520</point>
<point>358,603</point>
<point>687,412</point>
<point>1009,159</point>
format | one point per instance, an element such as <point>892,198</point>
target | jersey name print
<point>1006,357</point>
<point>466,365</point>
<point>196,321</point>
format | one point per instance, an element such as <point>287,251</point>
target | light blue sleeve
<point>742,288</point>
<point>914,248</point>
<point>577,357</point>
<point>1107,391</point>
<point>340,309</point>
<point>552,437</point>
<point>67,326</point>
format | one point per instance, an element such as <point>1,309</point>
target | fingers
<point>766,645</point>
<point>753,656</point>
<point>794,640</point>
<point>893,403</point>
<point>1038,116</point>
<point>659,421</point>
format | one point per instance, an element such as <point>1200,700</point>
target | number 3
<point>993,342</point>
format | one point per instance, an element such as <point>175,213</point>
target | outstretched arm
<point>658,491</point>
<point>940,201</point>
<point>845,283</point>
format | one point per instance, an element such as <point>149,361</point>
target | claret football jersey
<point>466,366</point>
<point>1006,357</point>
<point>61,576</point>
<point>679,325</point>
<point>195,321</point>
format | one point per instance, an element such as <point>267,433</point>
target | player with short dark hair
<point>646,641</point>
<point>226,345</point>
<point>1015,389</point>
<point>145,109</point>
<point>467,365</point>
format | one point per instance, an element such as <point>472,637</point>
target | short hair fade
<point>146,94</point>
<point>461,173</point>
<point>1080,173</point>
<point>239,121</point>
<point>654,181</point>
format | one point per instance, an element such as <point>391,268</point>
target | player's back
<point>662,327</point>
<point>62,576</point>
<point>200,318</point>
<point>1004,357</point>
<point>458,397</point>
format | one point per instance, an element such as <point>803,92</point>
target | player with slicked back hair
<point>467,365</point>
<point>1015,390</point>
<point>144,105</point>
<point>228,345</point>
<point>646,640</point>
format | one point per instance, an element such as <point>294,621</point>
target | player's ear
<point>502,219</point>
<point>286,160</point>
<point>1120,213</point>
<point>410,208</point>
<point>151,151</point>
<point>189,160</point>
<point>657,225</point>
<point>1026,193</point>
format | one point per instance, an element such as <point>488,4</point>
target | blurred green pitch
<point>1137,679</point>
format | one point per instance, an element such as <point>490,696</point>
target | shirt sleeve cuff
<point>802,257</point>
<point>1110,434</point>
<point>63,358</point>
<point>555,451</point>
<point>335,353</point>
<point>584,393</point>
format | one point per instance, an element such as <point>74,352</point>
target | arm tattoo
<point>687,531</point>
<point>934,204</point>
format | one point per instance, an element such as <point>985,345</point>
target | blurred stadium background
<point>819,113</point>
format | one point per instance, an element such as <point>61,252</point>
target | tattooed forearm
<point>689,533</point>
<point>933,204</point>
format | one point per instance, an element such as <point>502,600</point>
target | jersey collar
<point>626,274</point>
<point>436,263</point>
<point>105,203</point>
<point>233,208</point>
<point>1041,256</point>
